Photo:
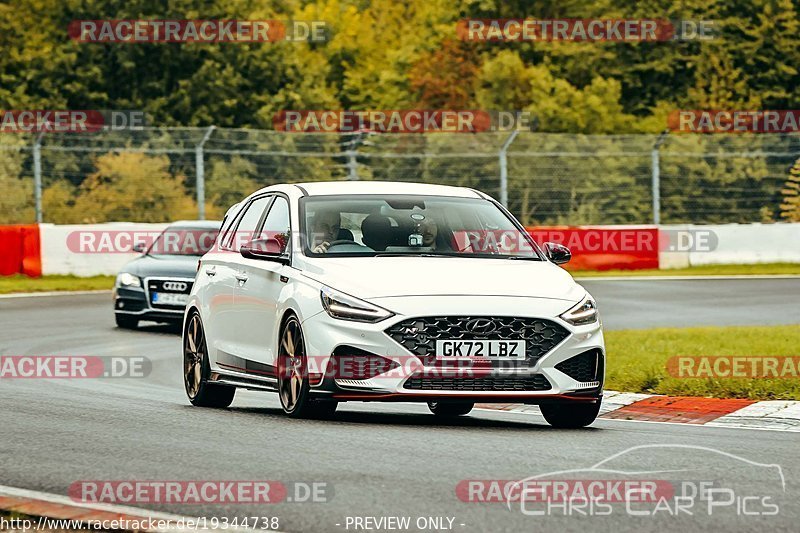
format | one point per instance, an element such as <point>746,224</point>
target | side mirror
<point>558,253</point>
<point>266,250</point>
<point>139,247</point>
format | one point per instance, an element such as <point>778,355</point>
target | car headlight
<point>128,280</point>
<point>585,312</point>
<point>346,307</point>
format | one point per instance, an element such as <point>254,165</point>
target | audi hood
<point>181,266</point>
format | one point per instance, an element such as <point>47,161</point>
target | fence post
<point>37,176</point>
<point>655,169</point>
<point>352,153</point>
<point>503,156</point>
<point>201,174</point>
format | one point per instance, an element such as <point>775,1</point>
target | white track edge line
<point>51,293</point>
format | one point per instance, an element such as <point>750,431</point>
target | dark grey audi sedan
<point>156,285</point>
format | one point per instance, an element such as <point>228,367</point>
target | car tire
<point>450,408</point>
<point>294,389</point>
<point>570,415</point>
<point>196,369</point>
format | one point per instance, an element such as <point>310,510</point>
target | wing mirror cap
<point>557,253</point>
<point>271,249</point>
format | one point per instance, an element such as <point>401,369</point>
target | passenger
<point>429,231</point>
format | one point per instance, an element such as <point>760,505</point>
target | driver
<point>324,230</point>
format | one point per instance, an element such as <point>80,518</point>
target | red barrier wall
<point>604,247</point>
<point>20,250</point>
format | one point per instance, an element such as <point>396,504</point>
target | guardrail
<point>39,249</point>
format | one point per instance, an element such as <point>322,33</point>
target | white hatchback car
<point>375,291</point>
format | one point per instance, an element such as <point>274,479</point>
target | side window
<point>247,224</point>
<point>227,222</point>
<point>276,225</point>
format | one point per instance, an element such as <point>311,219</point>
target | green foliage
<point>125,186</point>
<point>384,54</point>
<point>790,207</point>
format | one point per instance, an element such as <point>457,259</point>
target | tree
<point>16,200</point>
<point>132,186</point>
<point>790,207</point>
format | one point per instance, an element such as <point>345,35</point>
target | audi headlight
<point>346,307</point>
<point>128,280</point>
<point>585,312</point>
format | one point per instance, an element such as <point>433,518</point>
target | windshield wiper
<point>411,254</point>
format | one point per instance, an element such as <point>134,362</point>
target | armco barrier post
<point>201,174</point>
<point>37,176</point>
<point>503,160</point>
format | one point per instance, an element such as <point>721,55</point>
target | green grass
<point>637,360</point>
<point>20,283</point>
<point>704,270</point>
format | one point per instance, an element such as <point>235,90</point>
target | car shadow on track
<point>153,327</point>
<point>348,417</point>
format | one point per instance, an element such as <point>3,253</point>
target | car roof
<point>324,188</point>
<point>200,224</point>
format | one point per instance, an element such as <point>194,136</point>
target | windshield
<point>411,225</point>
<point>184,241</point>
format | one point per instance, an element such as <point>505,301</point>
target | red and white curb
<point>779,415</point>
<point>57,507</point>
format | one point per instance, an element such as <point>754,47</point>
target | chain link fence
<point>162,174</point>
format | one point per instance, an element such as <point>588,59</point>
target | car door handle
<point>241,277</point>
<point>212,271</point>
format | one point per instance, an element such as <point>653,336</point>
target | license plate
<point>489,349</point>
<point>169,298</point>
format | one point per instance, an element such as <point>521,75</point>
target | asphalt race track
<point>635,304</point>
<point>377,459</point>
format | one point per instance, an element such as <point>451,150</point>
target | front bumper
<point>135,301</point>
<point>547,377</point>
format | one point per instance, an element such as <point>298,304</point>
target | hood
<point>380,277</point>
<point>180,266</point>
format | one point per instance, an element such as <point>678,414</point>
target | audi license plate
<point>169,298</point>
<point>489,349</point>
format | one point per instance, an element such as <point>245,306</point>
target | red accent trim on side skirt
<point>421,396</point>
<point>248,370</point>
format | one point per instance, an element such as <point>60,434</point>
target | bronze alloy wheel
<point>293,385</point>
<point>196,369</point>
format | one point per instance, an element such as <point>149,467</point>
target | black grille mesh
<point>419,335</point>
<point>348,362</point>
<point>536,382</point>
<point>583,367</point>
